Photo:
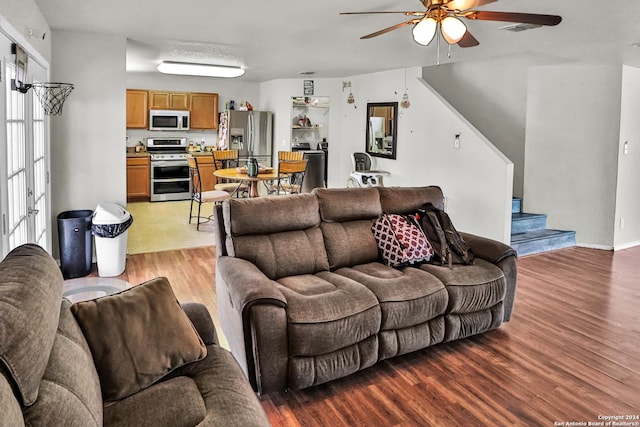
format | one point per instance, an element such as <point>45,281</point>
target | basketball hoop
<point>52,96</point>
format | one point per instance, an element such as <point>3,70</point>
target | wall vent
<point>516,28</point>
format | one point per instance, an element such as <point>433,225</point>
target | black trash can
<point>76,246</point>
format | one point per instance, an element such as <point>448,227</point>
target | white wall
<point>492,95</point>
<point>23,15</point>
<point>572,144</point>
<point>476,179</point>
<point>628,195</point>
<point>88,162</point>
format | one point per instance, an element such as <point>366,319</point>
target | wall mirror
<point>382,119</point>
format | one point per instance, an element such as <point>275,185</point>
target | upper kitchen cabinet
<point>137,109</point>
<point>204,110</point>
<point>163,100</point>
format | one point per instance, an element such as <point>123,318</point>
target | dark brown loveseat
<point>48,376</point>
<point>303,297</point>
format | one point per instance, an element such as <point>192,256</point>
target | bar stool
<point>198,196</point>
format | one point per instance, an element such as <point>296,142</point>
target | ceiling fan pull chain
<point>438,47</point>
<point>449,53</point>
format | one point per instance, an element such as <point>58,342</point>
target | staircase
<point>529,233</point>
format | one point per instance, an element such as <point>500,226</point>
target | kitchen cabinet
<point>138,178</point>
<point>206,168</point>
<point>204,110</point>
<point>165,100</point>
<point>137,109</point>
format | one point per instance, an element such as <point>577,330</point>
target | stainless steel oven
<point>169,169</point>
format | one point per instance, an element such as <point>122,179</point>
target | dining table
<point>241,175</point>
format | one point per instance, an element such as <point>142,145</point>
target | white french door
<point>24,165</point>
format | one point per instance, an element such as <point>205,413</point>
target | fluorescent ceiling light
<point>207,70</point>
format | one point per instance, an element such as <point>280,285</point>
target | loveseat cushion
<point>347,215</point>
<point>283,254</point>
<point>326,312</point>
<point>471,288</point>
<point>70,388</point>
<point>137,337</point>
<point>280,235</point>
<point>404,200</point>
<point>408,296</point>
<point>175,402</point>
<point>227,394</point>
<point>30,294</point>
<point>348,204</point>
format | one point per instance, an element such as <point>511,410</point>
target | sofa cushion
<point>30,294</point>
<point>227,394</point>
<point>283,254</point>
<point>404,200</point>
<point>471,288</point>
<point>70,388</point>
<point>172,403</point>
<point>137,336</point>
<point>326,312</point>
<point>265,215</point>
<point>349,243</point>
<point>408,296</point>
<point>348,204</point>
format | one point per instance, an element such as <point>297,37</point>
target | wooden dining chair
<point>198,196</point>
<point>291,176</point>
<point>283,156</point>
<point>224,159</point>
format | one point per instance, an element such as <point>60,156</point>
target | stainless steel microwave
<point>169,120</point>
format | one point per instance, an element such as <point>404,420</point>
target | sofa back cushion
<point>30,295</point>
<point>70,389</point>
<point>404,200</point>
<point>347,215</point>
<point>280,235</point>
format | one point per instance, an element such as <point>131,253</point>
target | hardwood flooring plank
<point>569,353</point>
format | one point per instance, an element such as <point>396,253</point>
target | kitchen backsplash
<point>134,136</point>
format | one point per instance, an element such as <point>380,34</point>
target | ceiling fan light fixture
<point>424,31</point>
<point>204,70</point>
<point>453,29</point>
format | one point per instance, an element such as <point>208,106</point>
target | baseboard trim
<point>590,246</point>
<point>626,246</point>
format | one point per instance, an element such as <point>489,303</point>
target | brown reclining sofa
<point>304,298</point>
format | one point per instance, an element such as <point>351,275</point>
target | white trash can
<point>110,225</point>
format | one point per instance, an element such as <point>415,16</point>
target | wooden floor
<point>571,353</point>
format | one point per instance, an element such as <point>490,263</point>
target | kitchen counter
<point>143,154</point>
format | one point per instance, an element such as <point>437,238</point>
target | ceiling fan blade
<point>466,4</point>
<point>371,13</point>
<point>524,18</point>
<point>468,40</point>
<point>386,30</point>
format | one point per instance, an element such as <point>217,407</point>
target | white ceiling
<point>279,38</point>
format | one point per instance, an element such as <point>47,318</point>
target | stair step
<point>516,205</point>
<point>523,222</point>
<point>537,241</point>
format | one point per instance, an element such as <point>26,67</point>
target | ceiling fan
<point>444,15</point>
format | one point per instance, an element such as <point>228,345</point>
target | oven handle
<point>163,163</point>
<point>170,180</point>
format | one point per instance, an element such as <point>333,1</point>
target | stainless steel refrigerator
<point>251,133</point>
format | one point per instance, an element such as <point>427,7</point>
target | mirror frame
<point>393,133</point>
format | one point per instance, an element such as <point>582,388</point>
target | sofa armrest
<point>503,256</point>
<point>201,319</point>
<point>488,249</point>
<point>247,284</point>
<point>252,313</point>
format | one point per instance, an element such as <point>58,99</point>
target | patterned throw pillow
<point>400,241</point>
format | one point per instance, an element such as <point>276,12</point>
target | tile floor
<point>162,226</point>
